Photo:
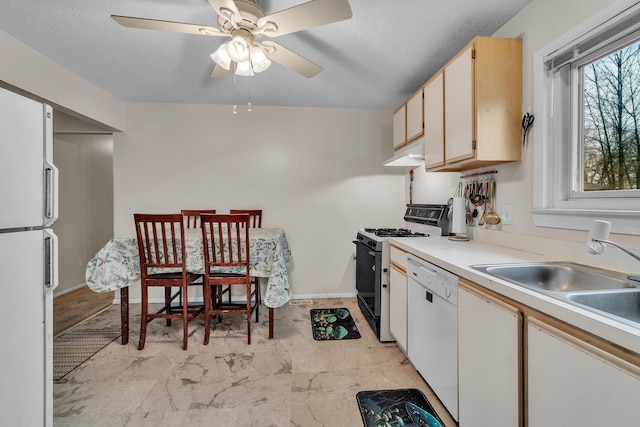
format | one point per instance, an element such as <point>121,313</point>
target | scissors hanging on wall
<point>527,123</point>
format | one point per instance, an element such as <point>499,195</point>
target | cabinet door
<point>400,126</point>
<point>458,107</point>
<point>434,122</point>
<point>572,383</point>
<point>489,364</point>
<point>398,307</point>
<point>415,128</point>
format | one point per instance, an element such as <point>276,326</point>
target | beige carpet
<point>74,307</point>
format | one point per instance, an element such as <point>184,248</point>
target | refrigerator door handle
<point>50,261</point>
<point>50,194</point>
<point>50,171</point>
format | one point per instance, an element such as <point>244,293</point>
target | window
<point>587,155</point>
<point>608,142</point>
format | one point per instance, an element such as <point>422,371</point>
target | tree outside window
<point>611,121</point>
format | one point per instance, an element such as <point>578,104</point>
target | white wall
<point>32,74</point>
<point>317,173</point>
<point>85,220</point>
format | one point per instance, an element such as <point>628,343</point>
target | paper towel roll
<point>459,220</point>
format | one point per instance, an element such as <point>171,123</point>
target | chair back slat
<point>192,216</point>
<point>160,240</point>
<point>225,240</point>
<point>255,216</point>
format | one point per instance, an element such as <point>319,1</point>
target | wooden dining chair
<point>192,216</point>
<point>225,240</point>
<point>163,264</point>
<point>255,221</point>
<point>255,216</point>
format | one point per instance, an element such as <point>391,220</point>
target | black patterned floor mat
<point>403,407</point>
<point>333,324</point>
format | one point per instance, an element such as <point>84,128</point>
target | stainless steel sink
<point>603,291</point>
<point>551,277</point>
<point>624,304</point>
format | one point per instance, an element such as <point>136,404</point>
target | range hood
<point>411,155</point>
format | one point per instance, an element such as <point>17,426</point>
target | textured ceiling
<point>374,60</point>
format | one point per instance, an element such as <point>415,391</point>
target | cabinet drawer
<point>399,257</point>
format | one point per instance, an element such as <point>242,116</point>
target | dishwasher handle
<point>428,296</point>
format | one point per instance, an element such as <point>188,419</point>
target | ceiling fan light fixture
<point>221,57</point>
<point>244,69</point>
<point>259,59</point>
<point>238,49</point>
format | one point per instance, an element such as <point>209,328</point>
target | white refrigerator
<point>28,260</point>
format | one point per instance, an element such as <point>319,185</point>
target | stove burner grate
<point>394,232</point>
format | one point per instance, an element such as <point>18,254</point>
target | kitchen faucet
<point>598,236</point>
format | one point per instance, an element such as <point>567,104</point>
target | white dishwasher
<point>432,328</point>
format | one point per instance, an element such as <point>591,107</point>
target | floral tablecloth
<point>117,264</point>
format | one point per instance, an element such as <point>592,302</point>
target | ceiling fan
<point>245,23</point>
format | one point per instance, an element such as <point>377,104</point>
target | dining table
<point>116,266</point>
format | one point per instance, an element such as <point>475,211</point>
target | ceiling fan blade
<point>307,15</point>
<point>218,71</point>
<point>221,5</point>
<point>291,60</point>
<point>175,27</point>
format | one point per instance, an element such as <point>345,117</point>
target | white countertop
<point>457,257</point>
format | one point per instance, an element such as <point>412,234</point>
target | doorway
<point>85,221</point>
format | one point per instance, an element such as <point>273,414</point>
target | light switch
<point>507,214</point>
<point>131,208</point>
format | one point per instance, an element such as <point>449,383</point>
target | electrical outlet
<point>507,214</point>
<point>131,208</point>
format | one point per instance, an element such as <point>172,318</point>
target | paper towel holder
<point>457,217</point>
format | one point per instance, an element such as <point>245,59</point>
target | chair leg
<point>124,314</point>
<point>206,292</point>
<point>143,318</point>
<point>248,308</point>
<point>185,317</point>
<point>167,302</point>
<point>219,292</point>
<point>258,297</point>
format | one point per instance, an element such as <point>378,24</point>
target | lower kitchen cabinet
<point>398,297</point>
<point>489,362</point>
<point>572,382</point>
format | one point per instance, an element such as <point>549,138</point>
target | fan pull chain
<point>235,95</point>
<point>249,104</point>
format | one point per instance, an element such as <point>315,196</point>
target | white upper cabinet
<point>415,126</point>
<point>434,121</point>
<point>400,126</point>
<point>458,108</point>
<point>407,121</point>
<point>482,106</point>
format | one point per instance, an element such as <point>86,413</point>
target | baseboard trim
<point>71,289</point>
<point>323,296</point>
<point>200,300</point>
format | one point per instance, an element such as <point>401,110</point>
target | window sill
<point>623,222</point>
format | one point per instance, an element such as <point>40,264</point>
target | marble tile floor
<point>290,380</point>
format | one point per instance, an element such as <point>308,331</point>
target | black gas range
<point>373,262</point>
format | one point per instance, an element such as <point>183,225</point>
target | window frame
<point>558,113</point>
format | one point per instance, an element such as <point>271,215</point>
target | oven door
<point>368,277</point>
